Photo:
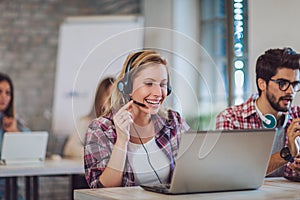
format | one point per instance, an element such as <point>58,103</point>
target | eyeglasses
<point>285,84</point>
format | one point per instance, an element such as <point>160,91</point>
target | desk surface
<point>273,188</point>
<point>49,167</point>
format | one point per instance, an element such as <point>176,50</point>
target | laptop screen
<point>221,160</point>
<point>20,147</point>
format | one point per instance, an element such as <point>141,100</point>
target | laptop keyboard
<point>162,186</point>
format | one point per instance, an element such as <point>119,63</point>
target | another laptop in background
<point>213,161</point>
<point>24,148</point>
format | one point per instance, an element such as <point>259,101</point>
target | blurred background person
<point>8,119</point>
<point>74,147</point>
<point>75,143</point>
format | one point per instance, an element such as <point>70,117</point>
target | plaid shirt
<point>244,116</point>
<point>101,137</point>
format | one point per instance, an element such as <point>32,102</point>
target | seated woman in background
<point>75,143</point>
<point>8,119</point>
<point>136,140</point>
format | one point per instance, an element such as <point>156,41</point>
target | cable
<point>148,158</point>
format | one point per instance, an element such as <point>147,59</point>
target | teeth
<point>152,102</point>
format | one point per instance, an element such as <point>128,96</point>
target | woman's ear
<point>262,84</point>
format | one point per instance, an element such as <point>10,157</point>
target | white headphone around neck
<point>269,120</point>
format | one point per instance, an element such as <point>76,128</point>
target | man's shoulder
<point>246,105</point>
<point>236,109</point>
<point>295,111</point>
<point>295,108</point>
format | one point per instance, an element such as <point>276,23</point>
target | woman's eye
<point>149,84</point>
<point>6,92</point>
<point>163,84</point>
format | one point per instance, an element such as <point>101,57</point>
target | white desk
<point>31,173</point>
<point>273,188</point>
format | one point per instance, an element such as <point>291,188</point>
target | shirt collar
<point>159,123</point>
<point>249,107</point>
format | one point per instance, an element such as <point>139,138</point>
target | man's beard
<point>275,105</point>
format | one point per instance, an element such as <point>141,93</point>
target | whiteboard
<point>89,49</point>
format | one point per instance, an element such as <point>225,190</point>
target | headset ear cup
<point>268,120</point>
<point>126,82</point>
<point>121,86</point>
<point>169,90</point>
<point>272,119</point>
<point>128,87</point>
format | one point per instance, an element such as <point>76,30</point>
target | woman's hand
<point>123,120</point>
<point>113,173</point>
<point>10,124</point>
<point>293,132</point>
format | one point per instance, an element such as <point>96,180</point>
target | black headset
<point>125,85</point>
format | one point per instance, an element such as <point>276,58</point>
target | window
<point>224,36</point>
<point>240,50</point>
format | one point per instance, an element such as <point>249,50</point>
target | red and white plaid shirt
<point>101,137</point>
<point>244,116</point>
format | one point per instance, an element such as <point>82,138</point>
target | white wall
<point>171,28</point>
<point>272,24</point>
<point>175,28</point>
<point>186,64</point>
<point>85,57</point>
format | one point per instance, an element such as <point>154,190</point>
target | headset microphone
<point>138,103</point>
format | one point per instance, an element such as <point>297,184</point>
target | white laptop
<point>210,161</point>
<point>24,147</point>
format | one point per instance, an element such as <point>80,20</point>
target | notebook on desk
<point>24,148</point>
<point>211,161</point>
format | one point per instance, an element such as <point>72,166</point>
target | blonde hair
<point>144,59</point>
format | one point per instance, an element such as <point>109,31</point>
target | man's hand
<point>296,164</point>
<point>293,132</point>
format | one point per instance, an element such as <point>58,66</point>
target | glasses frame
<point>294,84</point>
